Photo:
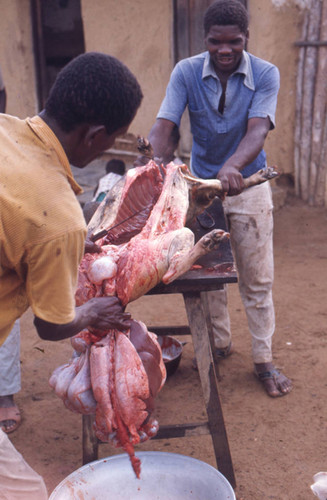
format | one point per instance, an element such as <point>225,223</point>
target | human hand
<point>107,313</point>
<point>231,180</point>
<point>91,247</point>
<point>141,160</point>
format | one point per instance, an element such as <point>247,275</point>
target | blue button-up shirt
<point>251,92</point>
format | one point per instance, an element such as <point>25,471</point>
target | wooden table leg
<point>206,311</point>
<point>198,325</point>
<point>90,441</point>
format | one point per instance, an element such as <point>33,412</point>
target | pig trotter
<point>269,173</point>
<point>181,262</point>
<point>263,175</point>
<point>212,240</point>
<point>144,147</point>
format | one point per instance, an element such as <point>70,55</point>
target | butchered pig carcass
<point>141,229</point>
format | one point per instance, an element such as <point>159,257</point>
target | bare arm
<point>102,313</point>
<point>164,138</point>
<point>248,149</point>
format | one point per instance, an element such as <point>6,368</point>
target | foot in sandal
<point>274,382</point>
<point>9,414</point>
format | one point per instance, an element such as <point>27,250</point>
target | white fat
<point>101,269</point>
<point>111,251</point>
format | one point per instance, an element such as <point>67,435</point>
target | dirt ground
<point>277,445</point>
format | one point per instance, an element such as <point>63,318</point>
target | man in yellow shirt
<point>42,228</point>
<point>10,380</point>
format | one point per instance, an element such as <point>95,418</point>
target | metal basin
<point>171,352</point>
<point>164,476</point>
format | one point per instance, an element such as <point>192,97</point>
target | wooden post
<point>318,165</point>
<point>202,348</point>
<point>310,65</point>
<point>298,109</point>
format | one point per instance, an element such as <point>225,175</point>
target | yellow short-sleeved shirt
<point>42,228</point>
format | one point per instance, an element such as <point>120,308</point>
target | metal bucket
<point>171,353</point>
<point>164,476</point>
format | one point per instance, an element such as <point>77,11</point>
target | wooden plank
<point>196,32</point>
<point>194,282</point>
<point>38,47</point>
<point>181,29</point>
<point>207,315</point>
<point>170,330</point>
<point>207,373</point>
<point>182,430</point>
<point>313,43</point>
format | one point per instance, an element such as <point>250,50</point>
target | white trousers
<point>10,381</point>
<point>18,481</point>
<point>250,222</point>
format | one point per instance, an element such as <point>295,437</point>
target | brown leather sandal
<point>272,374</point>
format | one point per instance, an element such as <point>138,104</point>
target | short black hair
<point>116,166</point>
<point>226,13</point>
<point>96,89</point>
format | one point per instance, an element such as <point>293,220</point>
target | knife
<point>104,232</point>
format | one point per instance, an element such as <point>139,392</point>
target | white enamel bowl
<point>164,476</point>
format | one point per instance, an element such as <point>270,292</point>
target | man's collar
<point>208,69</point>
<point>48,137</point>
<point>244,68</point>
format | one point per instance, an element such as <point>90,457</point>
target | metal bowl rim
<point>141,454</point>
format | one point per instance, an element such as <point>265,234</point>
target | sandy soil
<point>276,444</point>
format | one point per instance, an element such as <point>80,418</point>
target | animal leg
<point>263,175</point>
<point>180,262</point>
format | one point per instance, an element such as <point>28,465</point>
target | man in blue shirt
<point>231,98</point>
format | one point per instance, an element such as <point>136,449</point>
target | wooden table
<point>217,270</point>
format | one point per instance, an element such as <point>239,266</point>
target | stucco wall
<point>16,57</point>
<point>139,33</point>
<point>273,32</point>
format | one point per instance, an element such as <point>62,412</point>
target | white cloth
<point>250,221</point>
<point>18,481</point>
<point>10,379</point>
<point>106,183</point>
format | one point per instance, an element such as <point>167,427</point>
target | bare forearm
<point>248,149</point>
<point>52,331</point>
<point>102,313</point>
<point>164,138</point>
<point>251,144</point>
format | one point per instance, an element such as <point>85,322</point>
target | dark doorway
<point>58,37</point>
<point>188,26</point>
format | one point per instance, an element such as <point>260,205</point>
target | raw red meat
<point>119,375</point>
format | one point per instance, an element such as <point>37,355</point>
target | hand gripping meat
<point>144,241</point>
